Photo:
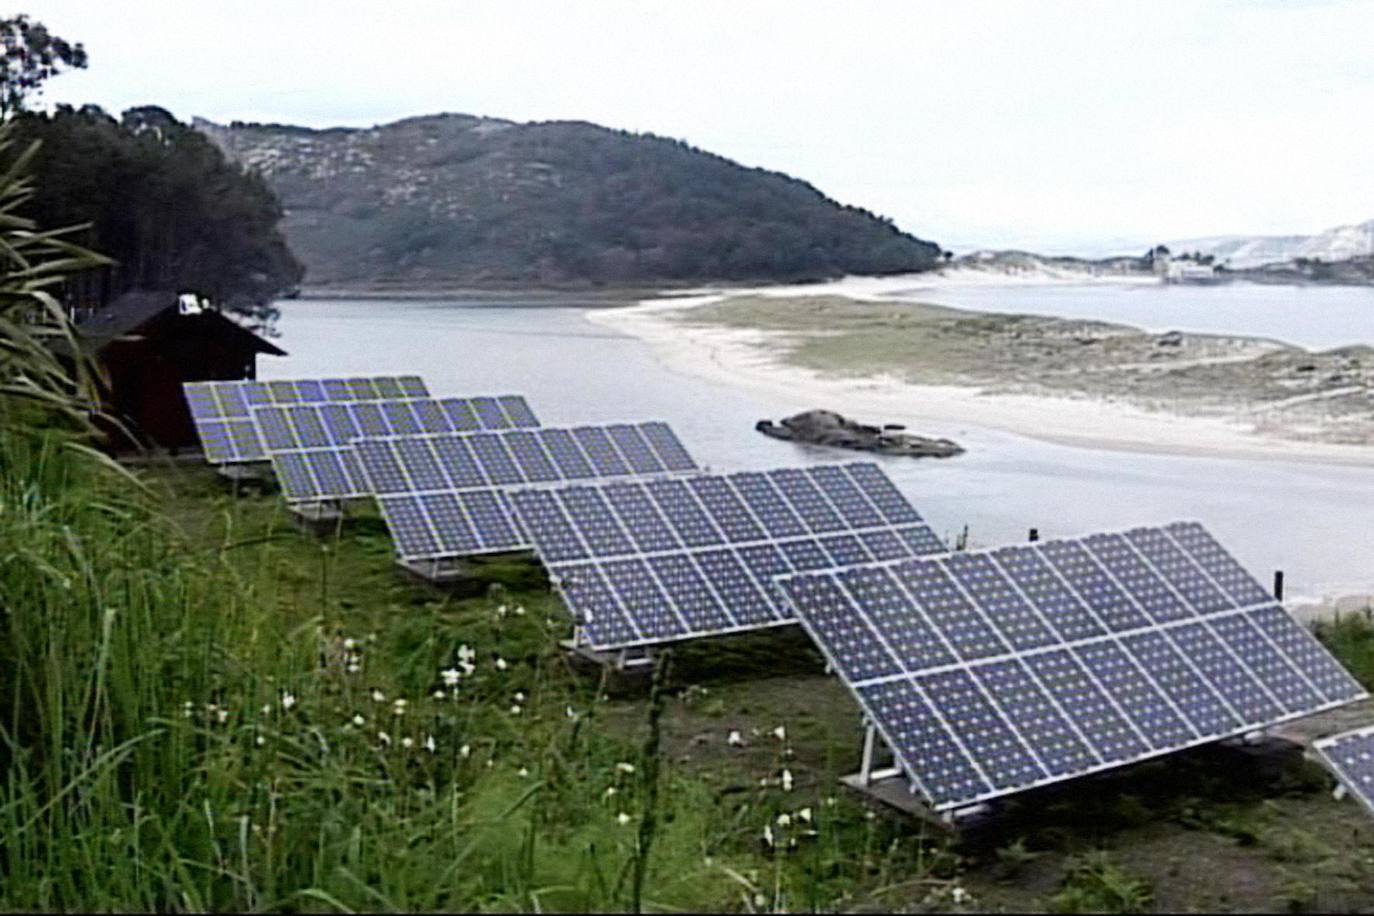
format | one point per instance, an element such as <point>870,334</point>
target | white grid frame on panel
<point>1108,636</point>
<point>1336,752</point>
<point>232,403</point>
<point>302,457</point>
<point>414,490</point>
<point>561,569</point>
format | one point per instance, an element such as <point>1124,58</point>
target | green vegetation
<point>163,202</point>
<point>1096,884</point>
<point>1351,638</point>
<point>453,199</point>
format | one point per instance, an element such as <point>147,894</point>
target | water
<point>1313,521</point>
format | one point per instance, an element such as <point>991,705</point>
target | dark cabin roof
<point>136,308</point>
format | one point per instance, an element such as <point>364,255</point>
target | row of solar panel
<point>435,463</point>
<point>1351,757</point>
<point>450,463</point>
<point>707,510</point>
<point>975,605</point>
<point>992,672</point>
<point>966,734</point>
<point>216,400</point>
<point>307,426</point>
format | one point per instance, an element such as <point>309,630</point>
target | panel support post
<point>866,767</point>
<point>1278,585</point>
<point>1034,535</point>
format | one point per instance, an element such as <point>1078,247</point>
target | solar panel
<point>221,411</point>
<point>311,444</point>
<point>1350,756</point>
<point>640,563</point>
<point>990,672</point>
<point>474,469</point>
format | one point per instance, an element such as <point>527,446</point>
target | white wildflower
<point>466,653</point>
<point>222,716</point>
<point>384,738</point>
<point>804,815</point>
<point>734,739</point>
<point>350,644</point>
<point>610,791</point>
<point>261,741</point>
<point>429,744</point>
<point>523,773</point>
<point>570,712</point>
<point>958,895</point>
<point>623,767</point>
<point>519,610</point>
<point>187,709</point>
<point>378,696</point>
<point>768,834</point>
<point>780,733</point>
<point>519,696</point>
<point>398,707</point>
<point>407,743</point>
<point>515,710</point>
<point>622,818</point>
<point>451,677</point>
<point>359,720</point>
<point>784,819</point>
<point>287,701</point>
<point>786,780</point>
<point>266,709</point>
<point>501,610</point>
<point>353,667</point>
<point>501,664</point>
<point>464,751</point>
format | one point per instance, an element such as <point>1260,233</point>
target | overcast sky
<point>1059,126</point>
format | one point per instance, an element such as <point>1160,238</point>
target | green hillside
<point>454,199</point>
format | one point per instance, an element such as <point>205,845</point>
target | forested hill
<point>454,199</point>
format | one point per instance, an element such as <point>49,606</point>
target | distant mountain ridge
<point>1341,243</point>
<point>461,200</point>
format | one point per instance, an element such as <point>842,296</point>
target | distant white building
<point>1182,270</point>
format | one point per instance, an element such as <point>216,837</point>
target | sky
<point>1062,126</point>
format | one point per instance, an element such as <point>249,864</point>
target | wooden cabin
<point>147,346</point>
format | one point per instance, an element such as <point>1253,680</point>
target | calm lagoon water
<point>1314,521</point>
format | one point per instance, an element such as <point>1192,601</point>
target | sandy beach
<point>755,359</point>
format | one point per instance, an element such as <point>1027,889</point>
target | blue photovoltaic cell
<point>599,450</point>
<point>854,648</point>
<point>1078,568</point>
<point>337,389</point>
<point>1035,718</point>
<point>636,451</point>
<point>384,471</point>
<point>1224,673</point>
<point>409,529</point>
<point>529,455</point>
<point>595,606</point>
<point>684,513</point>
<point>1254,650</point>
<point>765,563</point>
<point>495,460</point>
<point>727,509</point>
<point>770,509</point>
<point>1311,658</point>
<point>295,476</point>
<point>489,413</point>
<point>244,436</point>
<point>883,493</point>
<point>518,412</point>
<point>257,394</point>
<point>540,512</point>
<point>592,517</point>
<point>1207,712</point>
<point>637,590</point>
<point>1019,625</point>
<point>1149,591</point>
<point>461,415</point>
<point>400,418</point>
<point>412,386</point>
<point>810,504</point>
<point>741,595</point>
<point>1239,585</point>
<point>1182,573</point>
<point>431,417</point>
<point>216,442</point>
<point>276,431</point>
<point>567,454</point>
<point>311,391</point>
<point>896,619</point>
<point>920,540</point>
<point>1033,576</point>
<point>459,463</point>
<point>282,391</point>
<point>641,518</point>
<point>1351,757</point>
<point>845,495</point>
<point>364,389</point>
<point>958,621</point>
<point>329,473</point>
<point>1138,698</point>
<point>388,388</point>
<point>996,749</point>
<point>202,403</point>
<point>805,555</point>
<point>943,771</point>
<point>884,545</point>
<point>310,430</point>
<point>491,519</point>
<point>233,401</point>
<point>691,595</point>
<point>338,420</point>
<point>421,466</point>
<point>455,534</point>
<point>668,447</point>
<point>844,549</point>
<point>1112,737</point>
<point>370,420</point>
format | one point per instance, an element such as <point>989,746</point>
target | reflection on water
<point>1313,521</point>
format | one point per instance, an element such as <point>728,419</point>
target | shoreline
<point>738,357</point>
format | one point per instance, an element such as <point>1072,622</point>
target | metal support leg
<point>866,767</point>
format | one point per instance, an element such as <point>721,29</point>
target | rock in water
<point>825,427</point>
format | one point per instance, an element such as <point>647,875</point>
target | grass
<point>199,710</point>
